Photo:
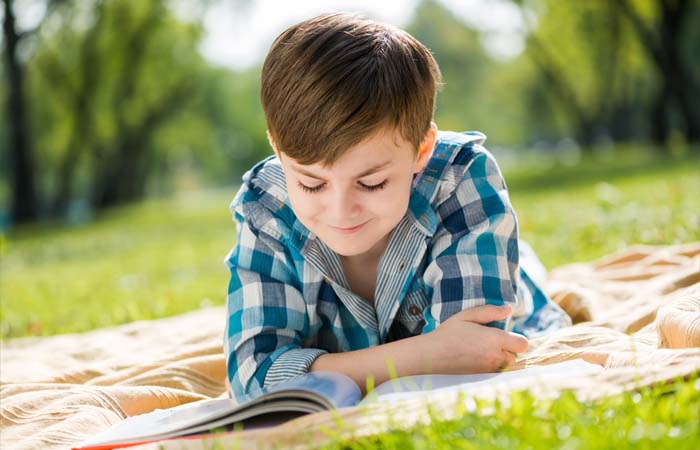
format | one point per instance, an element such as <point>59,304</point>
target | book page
<point>333,390</point>
<point>307,393</point>
<point>424,385</point>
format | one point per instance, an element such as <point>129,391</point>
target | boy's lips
<point>349,230</point>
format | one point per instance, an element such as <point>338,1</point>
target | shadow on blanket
<point>637,313</point>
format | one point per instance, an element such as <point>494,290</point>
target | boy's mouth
<point>349,230</point>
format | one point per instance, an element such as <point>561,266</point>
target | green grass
<point>582,212</point>
<point>155,259</point>
<point>658,417</point>
<point>664,417</point>
<point>164,257</point>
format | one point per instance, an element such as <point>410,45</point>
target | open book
<point>306,394</point>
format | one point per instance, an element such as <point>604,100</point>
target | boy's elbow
<point>243,387</point>
<point>242,393</point>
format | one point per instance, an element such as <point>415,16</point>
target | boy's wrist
<point>411,356</point>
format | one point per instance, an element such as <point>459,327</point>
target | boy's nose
<point>344,208</point>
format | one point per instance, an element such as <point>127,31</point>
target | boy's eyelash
<point>314,189</point>
<point>309,189</point>
<point>374,187</point>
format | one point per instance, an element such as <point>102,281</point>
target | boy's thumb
<point>485,314</point>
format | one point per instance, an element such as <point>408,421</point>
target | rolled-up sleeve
<point>267,316</point>
<point>474,256</point>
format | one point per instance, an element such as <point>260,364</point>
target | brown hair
<point>332,81</point>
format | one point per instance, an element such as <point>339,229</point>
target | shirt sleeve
<point>267,317</point>
<point>474,255</point>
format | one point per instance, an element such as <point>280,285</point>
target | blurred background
<point>126,125</point>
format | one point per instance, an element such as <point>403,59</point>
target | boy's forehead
<point>355,170</point>
<point>377,151</point>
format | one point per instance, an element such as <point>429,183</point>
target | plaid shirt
<point>455,248</point>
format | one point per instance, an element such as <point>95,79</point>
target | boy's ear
<point>425,150</point>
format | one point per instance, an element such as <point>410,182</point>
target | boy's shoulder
<point>262,197</point>
<point>451,163</point>
<point>460,138</point>
<point>457,149</point>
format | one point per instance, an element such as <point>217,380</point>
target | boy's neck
<point>370,256</point>
<point>361,270</point>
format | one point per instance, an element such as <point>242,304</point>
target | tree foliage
<point>115,101</point>
<point>113,76</point>
<point>619,70</point>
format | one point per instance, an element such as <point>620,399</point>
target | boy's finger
<point>509,359</point>
<point>515,343</point>
<point>485,314</point>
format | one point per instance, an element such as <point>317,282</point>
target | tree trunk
<point>563,92</point>
<point>118,171</point>
<point>122,177</point>
<point>681,83</point>
<point>24,202</point>
<point>663,43</point>
<point>82,112</point>
<point>659,114</point>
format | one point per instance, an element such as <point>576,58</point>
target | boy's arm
<point>267,318</point>
<point>461,345</point>
<point>475,249</point>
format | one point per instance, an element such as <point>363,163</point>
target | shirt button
<point>402,264</point>
<point>414,310</point>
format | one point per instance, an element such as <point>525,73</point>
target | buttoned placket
<point>396,271</point>
<point>327,262</point>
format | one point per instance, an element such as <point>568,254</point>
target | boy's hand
<point>463,344</point>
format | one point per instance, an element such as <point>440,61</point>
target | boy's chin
<point>349,249</point>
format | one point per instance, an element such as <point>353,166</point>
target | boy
<point>368,236</point>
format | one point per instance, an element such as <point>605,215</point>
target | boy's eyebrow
<point>364,173</point>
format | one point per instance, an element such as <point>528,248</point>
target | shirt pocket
<point>410,313</point>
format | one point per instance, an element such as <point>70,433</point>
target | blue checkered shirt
<point>455,248</point>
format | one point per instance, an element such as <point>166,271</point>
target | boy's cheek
<point>307,210</point>
<point>303,208</point>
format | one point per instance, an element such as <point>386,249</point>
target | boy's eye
<point>367,187</point>
<point>310,189</point>
<point>373,187</point>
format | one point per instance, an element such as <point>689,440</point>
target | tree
<point>108,79</point>
<point>116,98</point>
<point>597,61</point>
<point>78,98</point>
<point>24,200</point>
<point>663,37</point>
<point>591,68</point>
<point>122,168</point>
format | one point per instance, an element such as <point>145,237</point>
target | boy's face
<point>353,205</point>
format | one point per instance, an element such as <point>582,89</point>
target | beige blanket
<point>637,313</point>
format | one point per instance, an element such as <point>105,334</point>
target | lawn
<point>165,256</point>
<point>664,417</point>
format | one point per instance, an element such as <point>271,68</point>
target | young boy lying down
<point>370,236</point>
